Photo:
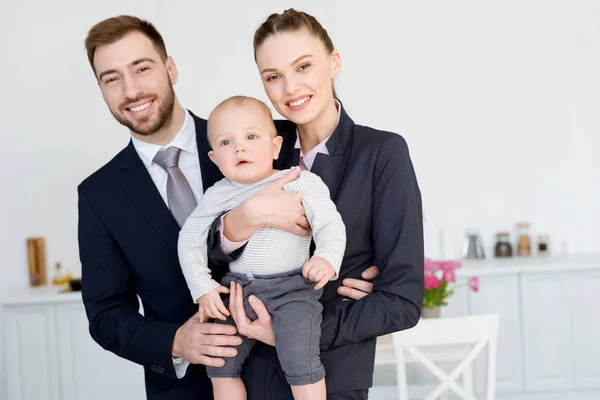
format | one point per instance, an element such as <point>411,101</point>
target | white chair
<point>446,339</point>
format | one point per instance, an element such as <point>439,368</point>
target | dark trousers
<point>265,380</point>
<point>296,318</point>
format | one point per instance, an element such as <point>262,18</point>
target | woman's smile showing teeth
<point>299,102</point>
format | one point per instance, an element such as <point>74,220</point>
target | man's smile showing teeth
<point>141,107</point>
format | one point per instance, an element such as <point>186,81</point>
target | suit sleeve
<point>111,303</point>
<point>397,236</point>
<point>216,254</point>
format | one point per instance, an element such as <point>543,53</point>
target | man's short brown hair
<point>113,29</point>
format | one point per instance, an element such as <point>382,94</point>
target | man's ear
<point>172,70</point>
<point>277,142</point>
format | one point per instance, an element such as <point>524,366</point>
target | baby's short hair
<point>241,101</point>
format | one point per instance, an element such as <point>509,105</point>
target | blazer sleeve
<point>216,255</point>
<point>111,303</point>
<point>397,235</point>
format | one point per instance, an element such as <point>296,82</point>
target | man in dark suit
<point>131,210</point>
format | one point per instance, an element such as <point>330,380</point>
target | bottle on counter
<point>542,245</point>
<point>524,240</point>
<point>503,246</point>
<point>59,277</point>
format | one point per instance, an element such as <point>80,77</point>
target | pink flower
<point>431,265</point>
<point>449,275</point>
<point>474,283</point>
<point>450,265</point>
<point>431,282</point>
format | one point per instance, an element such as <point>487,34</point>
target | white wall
<point>499,102</point>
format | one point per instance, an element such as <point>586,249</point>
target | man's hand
<point>211,305</point>
<point>356,289</point>
<point>204,343</point>
<point>318,270</point>
<point>270,207</point>
<point>260,329</point>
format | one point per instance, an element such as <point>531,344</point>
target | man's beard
<point>145,126</point>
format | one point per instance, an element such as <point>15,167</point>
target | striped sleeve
<point>328,229</point>
<point>192,244</point>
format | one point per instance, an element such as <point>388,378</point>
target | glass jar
<point>524,240</point>
<point>542,243</point>
<point>503,246</point>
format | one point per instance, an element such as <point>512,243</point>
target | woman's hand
<point>270,207</point>
<point>356,289</point>
<point>261,328</point>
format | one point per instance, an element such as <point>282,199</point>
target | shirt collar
<point>184,140</point>
<point>308,158</point>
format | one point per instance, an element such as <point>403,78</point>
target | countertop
<point>489,267</point>
<point>529,265</point>
<point>42,295</point>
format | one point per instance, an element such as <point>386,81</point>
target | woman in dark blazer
<point>371,180</point>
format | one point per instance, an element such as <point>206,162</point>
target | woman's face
<point>297,72</point>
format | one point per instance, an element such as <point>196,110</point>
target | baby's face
<point>244,142</point>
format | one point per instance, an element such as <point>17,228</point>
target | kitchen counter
<point>42,295</point>
<point>528,265</point>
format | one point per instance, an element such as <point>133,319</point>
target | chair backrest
<point>449,331</point>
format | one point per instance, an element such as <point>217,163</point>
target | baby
<point>276,265</point>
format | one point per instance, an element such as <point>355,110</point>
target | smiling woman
<point>371,179</point>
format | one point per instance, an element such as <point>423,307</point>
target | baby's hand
<point>318,270</point>
<point>211,306</point>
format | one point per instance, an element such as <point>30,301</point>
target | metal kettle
<point>473,246</point>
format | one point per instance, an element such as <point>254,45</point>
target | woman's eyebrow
<point>292,63</point>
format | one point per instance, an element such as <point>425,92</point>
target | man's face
<point>137,85</point>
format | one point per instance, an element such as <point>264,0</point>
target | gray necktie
<point>179,193</point>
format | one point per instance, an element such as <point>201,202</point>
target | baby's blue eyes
<point>227,142</point>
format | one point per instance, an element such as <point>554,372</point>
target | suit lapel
<point>288,156</point>
<point>328,168</point>
<point>210,171</point>
<point>141,189</point>
<point>331,167</point>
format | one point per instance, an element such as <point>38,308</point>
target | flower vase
<point>433,312</point>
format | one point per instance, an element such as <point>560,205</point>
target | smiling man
<point>131,211</point>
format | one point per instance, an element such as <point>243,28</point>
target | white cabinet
<point>87,370</point>
<point>546,331</point>
<point>500,294</point>
<point>30,352</point>
<point>50,354</point>
<point>548,345</point>
<point>585,320</point>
